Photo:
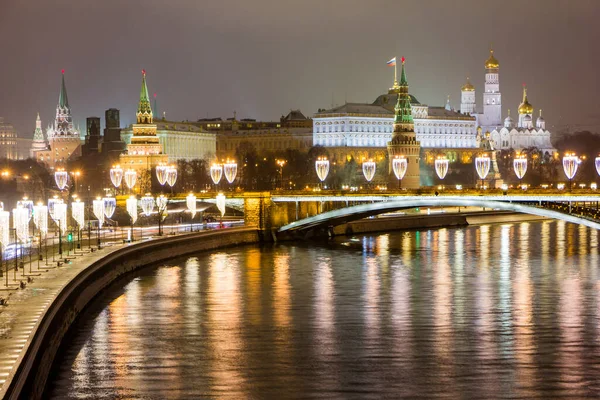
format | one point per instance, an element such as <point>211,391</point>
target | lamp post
<point>230,169</point>
<point>190,202</point>
<point>216,172</point>
<point>161,207</point>
<point>78,213</point>
<point>399,165</point>
<point>56,211</point>
<point>368,169</point>
<point>131,204</point>
<point>570,164</point>
<point>98,207</point>
<point>40,220</point>
<point>130,178</point>
<point>61,177</point>
<point>441,167</point>
<point>116,176</point>
<point>322,168</point>
<point>482,166</point>
<point>520,166</point>
<point>147,203</point>
<point>281,163</point>
<point>110,205</point>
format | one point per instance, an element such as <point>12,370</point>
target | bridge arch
<point>353,213</point>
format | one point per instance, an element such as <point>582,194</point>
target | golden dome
<point>467,87</point>
<point>491,62</point>
<point>525,107</point>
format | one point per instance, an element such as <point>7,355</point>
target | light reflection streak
<point>571,322</point>
<point>504,293</point>
<point>522,310</point>
<point>193,303</point>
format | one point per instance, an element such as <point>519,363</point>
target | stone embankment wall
<point>30,378</point>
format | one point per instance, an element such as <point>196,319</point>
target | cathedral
<point>505,134</point>
<point>64,141</point>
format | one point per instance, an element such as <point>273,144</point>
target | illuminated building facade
<point>8,141</point>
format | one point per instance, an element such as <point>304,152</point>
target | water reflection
<point>508,310</point>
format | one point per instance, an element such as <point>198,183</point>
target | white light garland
<point>230,168</point>
<point>40,218</point>
<point>216,172</point>
<point>482,166</point>
<point>520,166</point>
<point>110,205</point>
<point>161,174</point>
<point>21,223</point>
<point>570,164</point>
<point>190,201</point>
<point>441,167</point>
<point>130,178</point>
<point>400,165</point>
<point>368,168</point>
<point>131,204</point>
<point>322,168</point>
<point>4,229</point>
<point>78,213</point>
<point>221,203</point>
<point>147,203</point>
<point>98,207</point>
<point>116,176</point>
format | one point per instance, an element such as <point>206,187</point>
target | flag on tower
<point>392,62</point>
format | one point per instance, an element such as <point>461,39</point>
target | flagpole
<point>395,72</point>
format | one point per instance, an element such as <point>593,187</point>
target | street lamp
<point>216,172</point>
<point>520,166</point>
<point>98,207</point>
<point>368,169</point>
<point>570,164</point>
<point>161,174</point>
<point>482,165</point>
<point>61,177</point>
<point>322,168</point>
<point>131,205</point>
<point>281,163</point>
<point>116,176</point>
<point>130,178</point>
<point>441,167</point>
<point>230,169</point>
<point>399,165</point>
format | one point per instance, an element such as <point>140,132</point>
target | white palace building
<point>370,125</point>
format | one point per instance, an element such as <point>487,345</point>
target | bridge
<point>301,211</point>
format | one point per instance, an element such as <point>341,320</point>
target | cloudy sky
<point>265,57</point>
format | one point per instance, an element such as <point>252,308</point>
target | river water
<point>491,311</point>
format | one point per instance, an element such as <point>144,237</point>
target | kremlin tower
<point>404,141</point>
<point>144,152</point>
<point>63,139</point>
<point>39,142</point>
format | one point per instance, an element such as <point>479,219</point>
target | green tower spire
<point>63,99</point>
<point>144,111</point>
<point>403,114</point>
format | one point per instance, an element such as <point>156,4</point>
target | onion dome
<point>468,87</point>
<point>491,62</point>
<point>540,122</point>
<point>525,107</point>
<point>508,121</point>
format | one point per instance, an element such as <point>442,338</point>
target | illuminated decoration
<point>322,167</point>
<point>161,203</point>
<point>28,204</point>
<point>482,165</point>
<point>368,168</point>
<point>21,223</point>
<point>441,167</point>
<point>51,206</point>
<point>1,206</point>
<point>61,177</point>
<point>230,168</point>
<point>190,201</point>
<point>60,216</point>
<point>130,178</point>
<point>131,204</point>
<point>116,176</point>
<point>216,172</point>
<point>78,213</point>
<point>570,164</point>
<point>147,203</point>
<point>598,165</point>
<point>40,218</point>
<point>161,174</point>
<point>520,165</point>
<point>399,165</point>
<point>221,203</point>
<point>4,229</point>
<point>110,204</point>
<point>98,207</point>
<point>171,175</point>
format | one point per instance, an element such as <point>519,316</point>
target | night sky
<point>264,57</point>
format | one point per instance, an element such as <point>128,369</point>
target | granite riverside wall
<point>29,379</point>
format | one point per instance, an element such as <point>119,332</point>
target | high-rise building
<point>144,150</point>
<point>64,141</point>
<point>404,139</point>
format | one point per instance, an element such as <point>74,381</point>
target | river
<point>492,311</point>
